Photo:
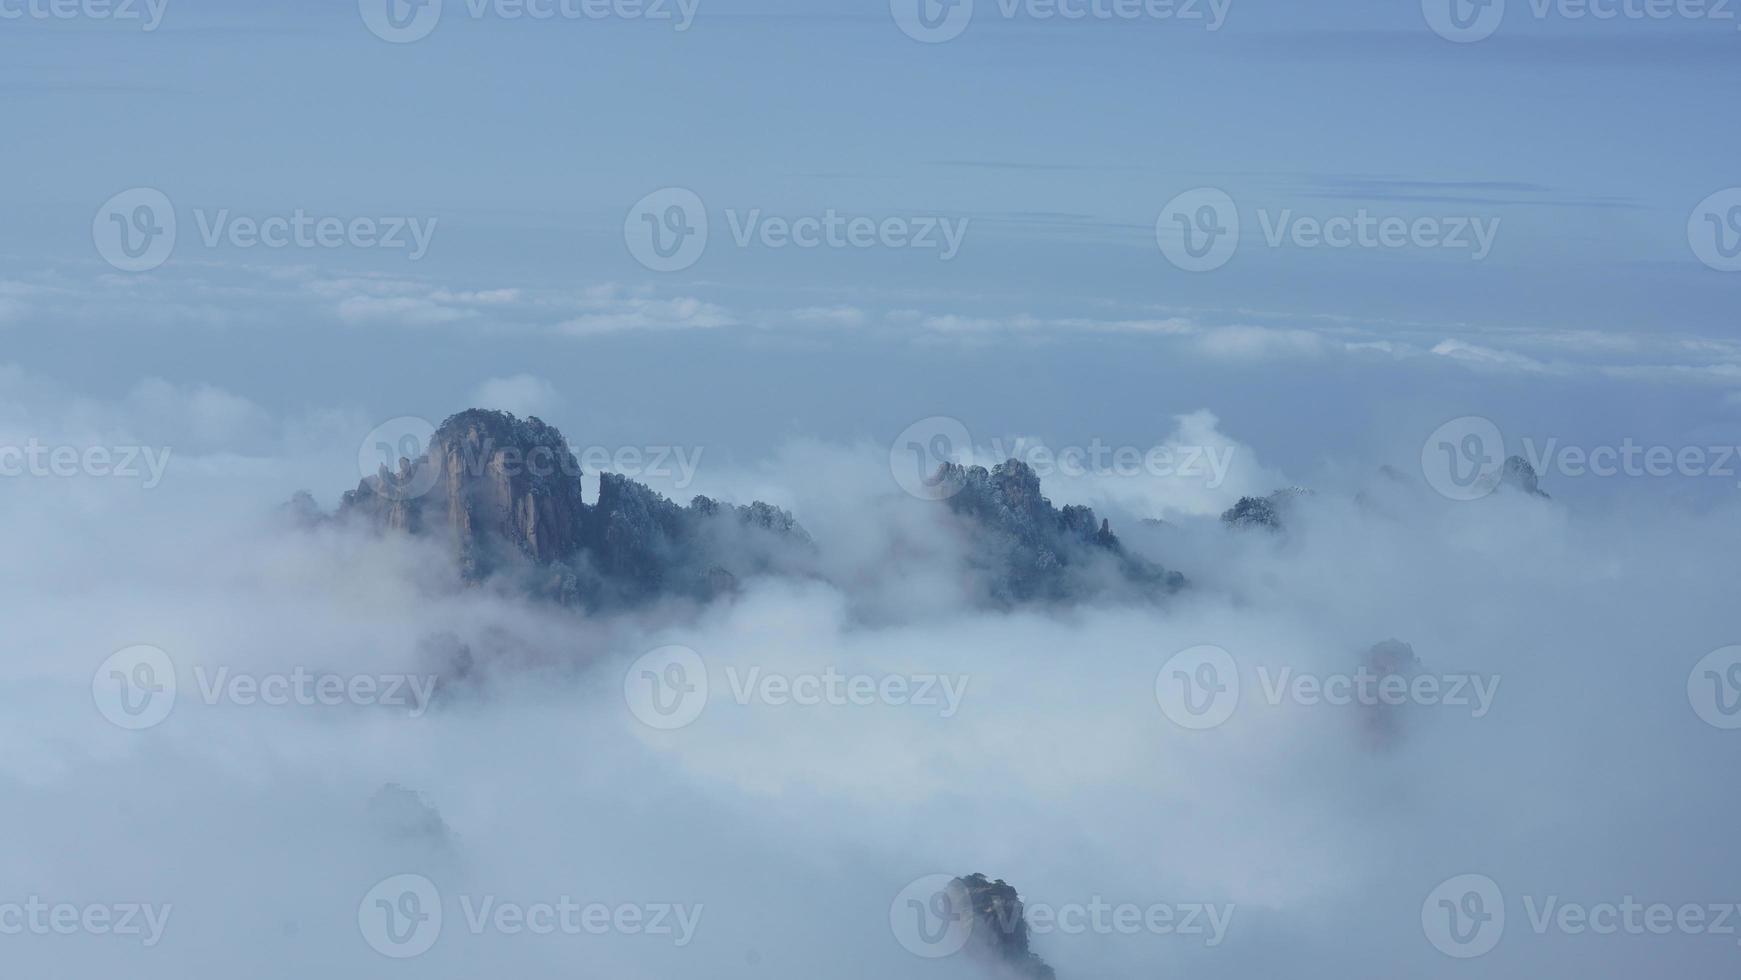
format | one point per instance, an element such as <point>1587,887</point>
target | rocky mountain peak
<point>999,934</point>
<point>506,493</point>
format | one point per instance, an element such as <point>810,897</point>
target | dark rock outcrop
<point>1029,550</point>
<point>1519,475</point>
<point>505,494</point>
<point>999,935</point>
<point>1265,512</point>
<point>1252,512</point>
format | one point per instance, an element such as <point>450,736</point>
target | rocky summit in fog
<point>998,936</point>
<point>1028,550</point>
<point>505,493</point>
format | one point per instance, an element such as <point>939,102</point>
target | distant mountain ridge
<point>506,495</point>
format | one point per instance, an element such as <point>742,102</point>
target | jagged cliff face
<point>506,494</point>
<point>999,936</point>
<point>494,485</point>
<point>1029,550</point>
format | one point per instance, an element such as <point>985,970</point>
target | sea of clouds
<point>260,834</point>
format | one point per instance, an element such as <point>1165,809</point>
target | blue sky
<point>1585,145</point>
